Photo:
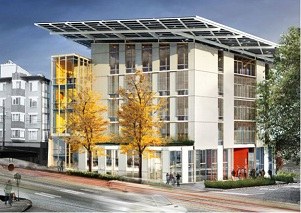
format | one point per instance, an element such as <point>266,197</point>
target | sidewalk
<point>17,206</point>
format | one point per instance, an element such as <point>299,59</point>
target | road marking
<point>71,191</point>
<point>234,193</point>
<point>52,196</point>
<point>267,189</point>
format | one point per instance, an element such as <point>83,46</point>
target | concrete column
<point>220,163</point>
<point>102,164</point>
<point>185,163</point>
<point>122,164</point>
<point>165,158</point>
<point>145,166</point>
<point>82,161</point>
<point>50,153</point>
<point>173,56</point>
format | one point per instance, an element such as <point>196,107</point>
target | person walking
<point>62,166</point>
<point>167,178</point>
<point>178,176</point>
<point>58,164</point>
<point>7,190</point>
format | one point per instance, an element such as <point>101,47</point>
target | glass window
<point>146,57</point>
<point>33,135</point>
<point>165,130</point>
<point>182,108</point>
<point>244,87</point>
<point>163,83</point>
<point>182,82</point>
<point>175,162</point>
<point>2,86</point>
<point>244,132</point>
<point>182,56</point>
<point>182,130</point>
<point>33,102</point>
<point>244,66</point>
<point>114,128</point>
<point>166,113</point>
<point>220,109</point>
<point>244,110</point>
<point>220,61</point>
<point>220,84</point>
<point>33,86</point>
<point>113,85</point>
<point>114,58</point>
<point>17,133</point>
<point>33,119</point>
<point>130,58</point>
<point>220,133</point>
<point>109,157</point>
<point>113,109</point>
<point>164,53</point>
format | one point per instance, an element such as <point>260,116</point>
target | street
<point>50,191</point>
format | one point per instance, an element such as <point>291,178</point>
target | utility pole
<point>3,131</point>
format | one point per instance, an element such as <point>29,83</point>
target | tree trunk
<point>140,166</point>
<point>90,160</point>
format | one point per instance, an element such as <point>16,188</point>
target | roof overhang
<point>163,29</point>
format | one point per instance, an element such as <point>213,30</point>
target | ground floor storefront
<point>192,164</point>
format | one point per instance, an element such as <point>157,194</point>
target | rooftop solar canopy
<point>163,29</point>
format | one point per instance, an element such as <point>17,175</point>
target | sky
<point>32,47</point>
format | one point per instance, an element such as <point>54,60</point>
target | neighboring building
<point>24,108</point>
<point>207,71</point>
<point>67,74</point>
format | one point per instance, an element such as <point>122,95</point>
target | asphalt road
<point>58,192</point>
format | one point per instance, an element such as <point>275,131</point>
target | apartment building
<point>208,73</point>
<point>24,106</point>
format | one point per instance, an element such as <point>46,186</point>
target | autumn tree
<point>86,124</point>
<point>278,100</point>
<point>139,117</point>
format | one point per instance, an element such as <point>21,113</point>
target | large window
<point>244,132</point>
<point>182,108</point>
<point>146,57</point>
<point>206,164</point>
<point>32,135</point>
<point>163,83</point>
<point>220,84</point>
<point>18,117</point>
<point>114,128</point>
<point>182,56</point>
<point>113,109</point>
<point>2,86</point>
<point>220,61</point>
<point>33,119</point>
<point>166,113</point>
<point>220,109</point>
<point>114,59</point>
<point>165,130</point>
<point>182,82</point>
<point>220,133</point>
<point>176,162</point>
<point>17,133</point>
<point>113,85</point>
<point>244,110</point>
<point>33,102</point>
<point>244,87</point>
<point>182,130</point>
<point>244,66</point>
<point>18,100</point>
<point>130,58</point>
<point>164,57</point>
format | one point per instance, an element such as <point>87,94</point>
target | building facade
<point>68,73</point>
<point>24,119</point>
<point>207,72</point>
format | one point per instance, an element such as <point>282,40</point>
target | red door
<point>240,159</point>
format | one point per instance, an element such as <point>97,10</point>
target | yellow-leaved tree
<point>86,123</point>
<point>139,117</point>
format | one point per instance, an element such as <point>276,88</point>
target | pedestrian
<point>270,173</point>
<point>58,164</point>
<point>172,179</point>
<point>167,178</point>
<point>7,190</point>
<point>178,176</point>
<point>62,166</point>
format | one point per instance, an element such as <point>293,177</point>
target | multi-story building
<point>208,73</point>
<point>24,104</point>
<point>68,73</point>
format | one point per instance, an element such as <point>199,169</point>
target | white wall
<point>228,100</point>
<point>203,100</point>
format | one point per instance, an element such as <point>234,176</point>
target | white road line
<point>234,193</point>
<point>52,196</point>
<point>71,191</point>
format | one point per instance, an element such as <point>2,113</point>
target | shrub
<point>239,183</point>
<point>287,177</point>
<point>95,175</point>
